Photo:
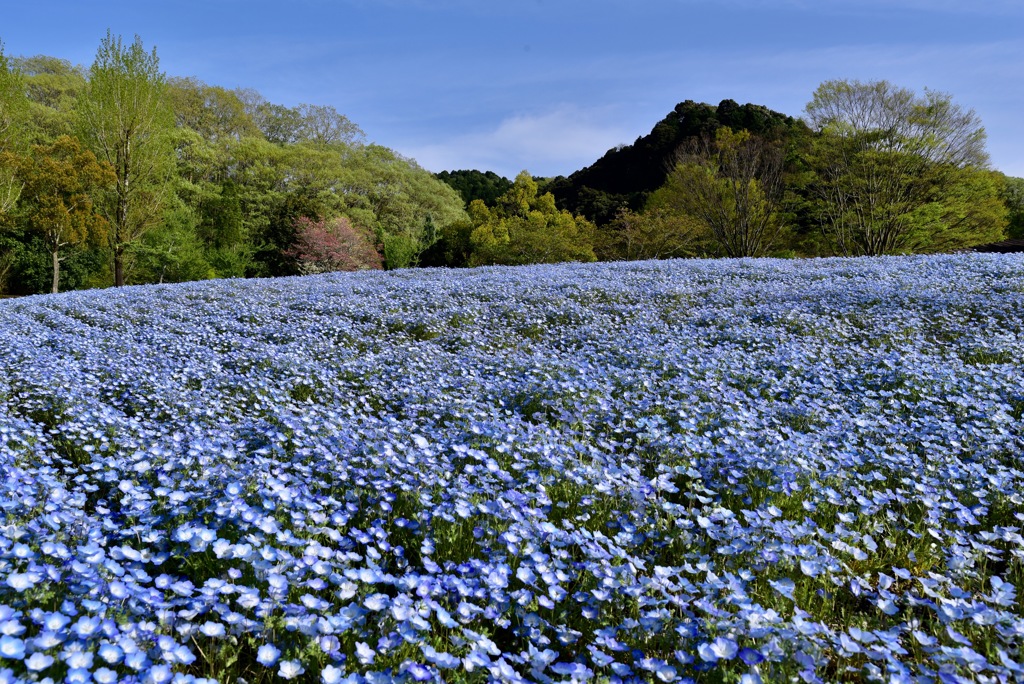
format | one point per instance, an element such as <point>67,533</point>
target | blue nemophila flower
<point>441,660</point>
<point>38,661</point>
<point>290,669</point>
<point>762,420</point>
<point>331,674</point>
<point>212,629</point>
<point>159,674</point>
<point>722,648</point>
<point>267,655</point>
<point>575,671</point>
<point>20,581</point>
<point>105,675</point>
<point>364,653</point>
<point>12,648</point>
<point>417,671</point>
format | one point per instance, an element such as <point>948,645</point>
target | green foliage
<point>406,205</point>
<point>525,228</point>
<point>59,182</point>
<point>53,85</point>
<point>1012,194</point>
<point>401,250</point>
<point>626,175</point>
<point>656,233</point>
<point>31,265</point>
<point>896,172</point>
<point>453,247</point>
<point>172,252</point>
<point>732,183</point>
<point>966,210</point>
<point>213,112</point>
<point>471,185</point>
<point>124,115</point>
<point>13,113</point>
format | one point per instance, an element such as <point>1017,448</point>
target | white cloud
<point>558,141</point>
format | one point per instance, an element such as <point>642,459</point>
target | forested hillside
<point>626,175</point>
<point>117,173</point>
<point>871,169</point>
<point>212,185</point>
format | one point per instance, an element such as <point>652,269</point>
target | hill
<point>625,175</point>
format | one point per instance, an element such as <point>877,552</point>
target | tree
<point>732,182</point>
<point>525,228</point>
<point>338,245</point>
<point>323,125</point>
<point>60,180</point>
<point>213,112</point>
<point>126,120</point>
<point>653,234</point>
<point>13,111</point>
<point>52,85</point>
<point>627,174</point>
<point>887,164</point>
<point>172,252</point>
<point>487,186</point>
<point>969,212</point>
<point>405,205</point>
<point>1013,197</point>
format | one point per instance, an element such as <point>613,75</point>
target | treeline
<point>118,174</point>
<point>872,169</point>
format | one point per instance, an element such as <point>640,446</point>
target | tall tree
<point>732,182</point>
<point>13,111</point>
<point>125,118</point>
<point>323,125</point>
<point>59,181</point>
<point>892,168</point>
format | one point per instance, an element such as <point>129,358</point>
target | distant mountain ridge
<point>625,175</point>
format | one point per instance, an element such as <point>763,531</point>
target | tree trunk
<point>118,268</point>
<point>56,272</point>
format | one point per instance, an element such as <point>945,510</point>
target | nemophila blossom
<point>78,676</point>
<point>365,654</point>
<point>158,674</point>
<point>105,675</point>
<point>38,661</point>
<point>290,669</point>
<point>331,674</point>
<point>382,459</point>
<point>12,648</point>
<point>12,628</point>
<point>267,655</point>
<point>212,629</point>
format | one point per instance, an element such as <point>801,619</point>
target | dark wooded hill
<point>625,175</point>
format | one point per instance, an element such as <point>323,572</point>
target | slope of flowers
<point>722,471</point>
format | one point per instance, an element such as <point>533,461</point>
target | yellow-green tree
<point>13,110</point>
<point>733,183</point>
<point>527,228</point>
<point>655,233</point>
<point>59,183</point>
<point>126,119</point>
<point>897,172</point>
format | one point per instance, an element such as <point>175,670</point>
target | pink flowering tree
<point>334,245</point>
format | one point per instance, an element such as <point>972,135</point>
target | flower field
<point>712,471</point>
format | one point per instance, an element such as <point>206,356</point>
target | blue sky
<point>550,85</point>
